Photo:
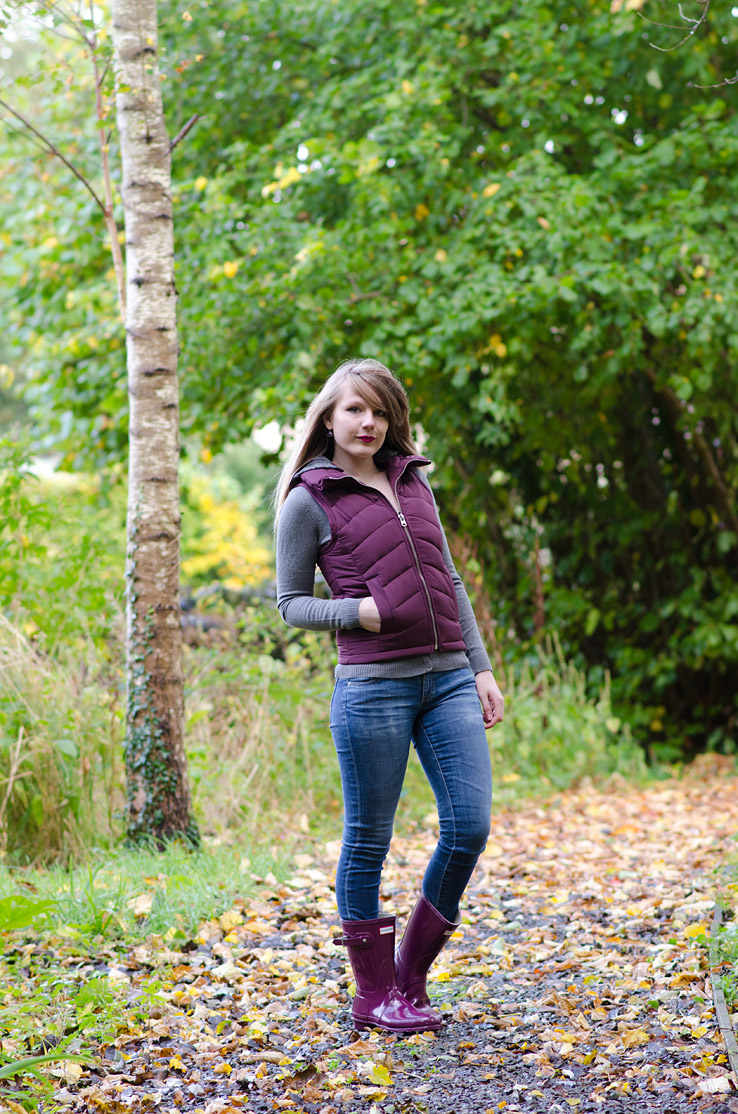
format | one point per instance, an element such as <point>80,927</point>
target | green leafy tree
<point>530,214</point>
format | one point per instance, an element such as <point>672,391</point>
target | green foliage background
<point>529,213</point>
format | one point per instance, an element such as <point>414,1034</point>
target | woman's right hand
<point>369,616</point>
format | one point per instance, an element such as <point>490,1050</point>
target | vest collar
<point>322,471</point>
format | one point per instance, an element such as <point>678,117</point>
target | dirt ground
<point>577,980</point>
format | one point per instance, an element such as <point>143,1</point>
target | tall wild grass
<point>60,746</point>
<point>260,754</point>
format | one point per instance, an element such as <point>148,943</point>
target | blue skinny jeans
<point>373,722</point>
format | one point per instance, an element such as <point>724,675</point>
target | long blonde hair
<point>376,384</point>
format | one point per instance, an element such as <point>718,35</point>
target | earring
<point>330,432</point>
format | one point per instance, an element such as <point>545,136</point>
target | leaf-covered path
<point>577,983</point>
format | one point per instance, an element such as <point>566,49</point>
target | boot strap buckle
<point>362,940</point>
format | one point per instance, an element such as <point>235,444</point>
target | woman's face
<point>359,428</point>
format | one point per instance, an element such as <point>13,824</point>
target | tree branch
<point>696,23</point>
<point>703,449</point>
<point>54,151</point>
<point>720,84</point>
<point>183,131</point>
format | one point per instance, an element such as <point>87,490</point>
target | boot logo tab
<point>386,930</point>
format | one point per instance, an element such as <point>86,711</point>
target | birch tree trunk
<point>157,792</point>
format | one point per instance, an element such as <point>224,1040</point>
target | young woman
<point>354,500</point>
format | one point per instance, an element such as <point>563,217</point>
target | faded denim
<point>373,722</point>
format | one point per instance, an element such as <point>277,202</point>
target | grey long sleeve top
<point>303,528</point>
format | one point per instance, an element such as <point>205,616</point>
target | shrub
<point>60,744</point>
<point>554,734</point>
<point>62,548</point>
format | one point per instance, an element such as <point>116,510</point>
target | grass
<point>723,944</point>
<point>61,728</point>
<point>555,734</point>
<point>128,895</point>
<point>63,990</point>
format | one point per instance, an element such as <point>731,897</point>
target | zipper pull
<point>401,517</point>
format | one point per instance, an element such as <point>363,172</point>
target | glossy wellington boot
<point>425,935</point>
<point>378,1003</point>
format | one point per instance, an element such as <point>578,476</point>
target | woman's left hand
<point>491,699</point>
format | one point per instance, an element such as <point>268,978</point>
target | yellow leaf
<point>176,1064</point>
<point>421,211</point>
<point>201,182</point>
<point>491,189</point>
<point>440,256</point>
<point>380,1075</point>
<point>545,224</point>
<point>633,1037</point>
<point>699,272</point>
<point>408,87</point>
<point>292,175</point>
<point>223,1069</point>
<point>230,269</point>
<point>187,17</point>
<point>686,978</point>
<point>69,1071</point>
<point>141,905</point>
<point>693,930</point>
<point>231,919</point>
<point>368,167</point>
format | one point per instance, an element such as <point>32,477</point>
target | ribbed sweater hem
<point>405,667</point>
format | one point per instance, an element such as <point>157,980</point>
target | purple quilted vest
<point>396,559</point>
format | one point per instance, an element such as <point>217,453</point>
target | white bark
<point>158,797</point>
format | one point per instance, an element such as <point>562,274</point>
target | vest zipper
<point>423,581</point>
<point>406,528</point>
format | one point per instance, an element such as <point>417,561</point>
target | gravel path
<point>577,981</point>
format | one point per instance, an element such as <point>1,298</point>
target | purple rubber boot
<point>378,1003</point>
<point>425,935</point>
